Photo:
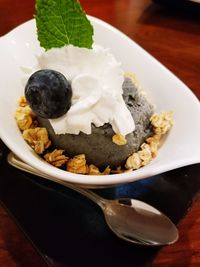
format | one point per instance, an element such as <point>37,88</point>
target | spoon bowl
<point>130,219</point>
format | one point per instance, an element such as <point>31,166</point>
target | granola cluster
<point>119,139</point>
<point>161,124</point>
<point>25,117</point>
<point>78,165</point>
<point>56,158</point>
<point>38,139</point>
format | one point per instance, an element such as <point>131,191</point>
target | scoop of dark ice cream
<point>98,146</point>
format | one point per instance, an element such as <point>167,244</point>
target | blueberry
<point>48,93</point>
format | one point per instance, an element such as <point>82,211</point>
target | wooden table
<point>174,39</point>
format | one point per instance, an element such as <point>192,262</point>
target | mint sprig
<point>62,22</point>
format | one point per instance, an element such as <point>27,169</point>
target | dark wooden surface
<point>173,37</point>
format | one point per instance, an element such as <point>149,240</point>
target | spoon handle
<point>16,162</point>
<point>89,194</point>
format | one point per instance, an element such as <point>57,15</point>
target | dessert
<point>98,146</point>
<point>82,112</point>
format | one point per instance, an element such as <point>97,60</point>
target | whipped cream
<point>96,79</point>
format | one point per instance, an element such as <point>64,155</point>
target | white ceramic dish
<point>182,145</point>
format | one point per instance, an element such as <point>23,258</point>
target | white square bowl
<point>182,145</point>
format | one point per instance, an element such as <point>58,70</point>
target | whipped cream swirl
<point>96,79</point>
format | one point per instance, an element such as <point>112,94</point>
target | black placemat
<point>69,229</point>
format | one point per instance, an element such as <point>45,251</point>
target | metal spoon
<point>131,220</point>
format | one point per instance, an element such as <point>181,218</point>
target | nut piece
<point>37,138</point>
<point>22,101</point>
<point>77,164</point>
<point>140,158</point>
<point>162,122</point>
<point>25,122</point>
<point>20,111</point>
<point>24,117</point>
<point>154,144</point>
<point>119,139</point>
<point>56,158</point>
<point>93,170</point>
<point>107,170</point>
<point>133,162</point>
<point>145,154</point>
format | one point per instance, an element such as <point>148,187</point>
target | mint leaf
<point>62,22</point>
